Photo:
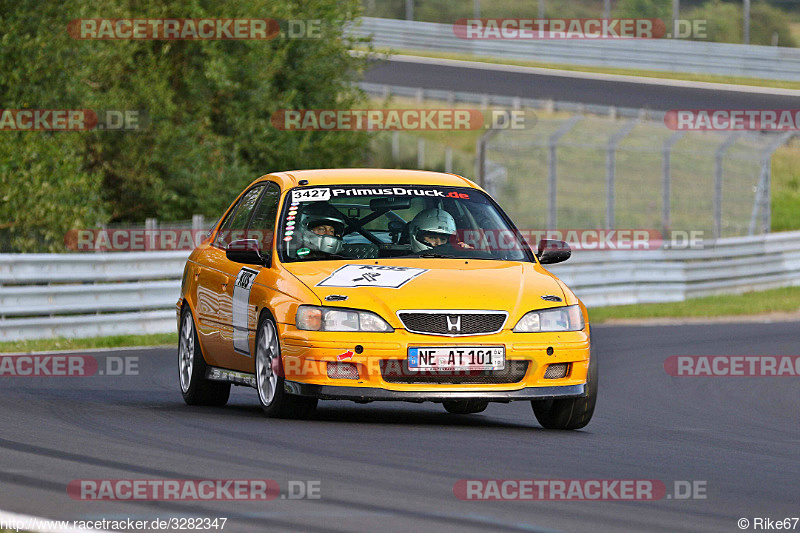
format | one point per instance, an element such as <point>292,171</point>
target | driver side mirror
<point>246,251</point>
<point>552,251</point>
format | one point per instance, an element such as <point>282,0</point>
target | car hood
<point>515,287</point>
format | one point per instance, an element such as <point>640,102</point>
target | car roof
<point>368,176</point>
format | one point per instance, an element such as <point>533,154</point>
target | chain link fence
<point>594,172</point>
<point>603,167</point>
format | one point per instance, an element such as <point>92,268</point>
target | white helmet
<point>312,217</point>
<point>435,220</point>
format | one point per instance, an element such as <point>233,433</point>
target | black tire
<point>195,388</point>
<point>275,401</point>
<point>465,407</point>
<point>570,413</point>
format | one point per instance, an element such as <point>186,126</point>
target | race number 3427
<point>311,195</point>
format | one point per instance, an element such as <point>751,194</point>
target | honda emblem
<point>454,323</point>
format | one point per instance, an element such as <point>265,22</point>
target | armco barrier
<point>88,295</point>
<point>82,295</point>
<point>669,55</point>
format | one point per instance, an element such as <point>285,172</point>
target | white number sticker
<point>392,277</point>
<point>311,195</point>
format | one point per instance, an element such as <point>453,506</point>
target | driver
<point>320,231</point>
<point>432,227</point>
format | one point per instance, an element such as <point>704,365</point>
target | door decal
<point>241,303</point>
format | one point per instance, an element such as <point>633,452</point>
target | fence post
<point>421,153</point>
<point>717,200</point>
<point>666,184</point>
<point>198,222</point>
<point>395,146</point>
<point>480,156</point>
<point>552,169</point>
<point>150,225</point>
<point>611,170</point>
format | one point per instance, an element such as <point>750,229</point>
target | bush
<point>725,23</point>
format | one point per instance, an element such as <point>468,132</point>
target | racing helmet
<point>313,216</point>
<point>434,220</point>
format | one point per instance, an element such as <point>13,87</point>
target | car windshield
<point>371,222</point>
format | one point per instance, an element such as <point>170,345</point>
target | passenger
<point>431,228</point>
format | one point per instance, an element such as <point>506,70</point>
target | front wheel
<point>195,388</point>
<point>570,413</point>
<point>275,401</point>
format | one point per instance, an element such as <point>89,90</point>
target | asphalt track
<point>571,88</point>
<point>391,467</point>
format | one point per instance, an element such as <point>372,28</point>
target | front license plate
<point>457,358</point>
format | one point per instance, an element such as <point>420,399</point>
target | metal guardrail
<point>88,295</point>
<point>669,55</point>
<point>135,293</point>
<point>730,266</point>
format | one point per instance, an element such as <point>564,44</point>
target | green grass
<point>786,187</point>
<point>709,78</point>
<point>795,29</point>
<point>116,341</point>
<point>751,303</point>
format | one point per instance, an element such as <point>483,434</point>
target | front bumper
<point>306,354</point>
<point>368,394</point>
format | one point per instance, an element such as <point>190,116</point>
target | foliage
<point>207,105</point>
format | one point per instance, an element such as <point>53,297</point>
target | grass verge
<point>686,76</point>
<point>786,300</point>
<point>116,341</point>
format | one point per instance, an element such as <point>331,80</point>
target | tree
<point>206,131</point>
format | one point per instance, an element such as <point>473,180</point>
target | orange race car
<point>365,284</point>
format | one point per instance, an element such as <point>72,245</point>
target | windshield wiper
<point>437,256</point>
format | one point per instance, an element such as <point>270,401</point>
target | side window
<point>235,224</point>
<point>262,226</point>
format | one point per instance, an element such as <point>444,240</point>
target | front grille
<point>396,371</point>
<point>453,323</point>
<point>556,371</point>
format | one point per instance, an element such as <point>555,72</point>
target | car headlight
<point>567,318</point>
<point>316,318</point>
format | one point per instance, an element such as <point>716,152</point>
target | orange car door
<point>228,357</point>
<point>243,310</point>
